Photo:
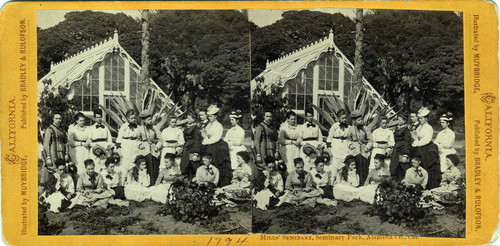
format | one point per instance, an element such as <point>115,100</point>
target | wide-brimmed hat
<point>447,117</point>
<point>423,112</point>
<point>213,109</point>
<point>308,149</point>
<point>236,114</point>
<point>356,114</point>
<point>145,113</point>
<point>98,150</point>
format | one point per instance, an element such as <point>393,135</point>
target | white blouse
<point>65,181</point>
<point>337,132</point>
<point>172,134</point>
<point>127,133</point>
<point>214,133</point>
<point>235,136</point>
<point>275,180</point>
<point>382,135</point>
<point>324,180</point>
<point>99,133</point>
<point>289,133</point>
<point>424,135</point>
<point>79,134</point>
<point>445,139</point>
<point>311,132</point>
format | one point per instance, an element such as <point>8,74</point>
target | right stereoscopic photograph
<point>358,122</point>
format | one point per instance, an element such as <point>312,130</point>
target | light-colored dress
<point>138,190</point>
<point>338,136</point>
<point>128,137</point>
<point>171,135</point>
<point>299,190</point>
<point>208,174</point>
<point>321,179</point>
<point>77,136</point>
<point>383,139</point>
<point>416,177</point>
<point>311,134</point>
<point>346,189</point>
<point>288,150</point>
<point>449,185</point>
<point>273,181</point>
<point>240,184</point>
<point>445,140</point>
<point>90,191</point>
<point>234,138</point>
<point>160,191</point>
<point>64,183</point>
<point>99,134</point>
<point>375,177</point>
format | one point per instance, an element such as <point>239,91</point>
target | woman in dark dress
<point>218,148</point>
<point>402,148</point>
<point>192,147</point>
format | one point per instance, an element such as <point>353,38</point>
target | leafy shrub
<point>190,202</point>
<point>396,203</point>
<point>44,226</point>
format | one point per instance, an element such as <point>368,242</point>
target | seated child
<point>207,173</point>
<point>416,175</point>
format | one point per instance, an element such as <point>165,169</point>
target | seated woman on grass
<point>416,175</point>
<point>299,188</point>
<point>167,176</point>
<point>272,187</point>
<point>242,175</point>
<point>113,182</point>
<point>375,177</point>
<point>322,178</point>
<point>450,182</point>
<point>136,187</point>
<point>90,188</point>
<point>60,188</point>
<point>207,173</point>
<point>345,188</point>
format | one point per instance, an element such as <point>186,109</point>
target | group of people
<point>290,165</point>
<point>143,161</point>
<point>353,161</point>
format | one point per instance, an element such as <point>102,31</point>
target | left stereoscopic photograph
<point>144,122</point>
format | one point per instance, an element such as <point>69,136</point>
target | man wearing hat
<point>311,136</point>
<point>101,140</point>
<point>265,138</point>
<point>149,145</point>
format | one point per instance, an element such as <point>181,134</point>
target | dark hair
<point>290,114</point>
<point>319,160</point>
<point>403,117</point>
<point>298,160</point>
<point>269,159</point>
<point>129,113</point>
<point>139,159</point>
<point>417,158</point>
<point>60,162</point>
<point>309,111</point>
<point>453,158</point>
<point>97,111</point>
<point>78,116</point>
<point>169,156</point>
<point>56,112</point>
<point>207,155</point>
<point>341,112</point>
<point>344,171</point>
<point>88,162</point>
<point>244,155</point>
<point>109,160</point>
<point>383,117</point>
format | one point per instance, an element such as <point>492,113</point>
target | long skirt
<point>188,150</point>
<point>137,192</point>
<point>129,151</point>
<point>430,162</point>
<point>92,199</point>
<point>221,160</point>
<point>300,197</point>
<point>288,153</point>
<point>367,193</point>
<point>339,151</point>
<point>262,198</point>
<point>445,194</point>
<point>362,165</point>
<point>442,157</point>
<point>159,193</point>
<point>153,167</point>
<point>81,154</point>
<point>232,153</point>
<point>345,192</point>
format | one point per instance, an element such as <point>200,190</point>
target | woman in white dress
<point>383,141</point>
<point>234,138</point>
<point>445,140</point>
<point>128,142</point>
<point>172,139</point>
<point>347,181</point>
<point>289,138</point>
<point>168,175</point>
<point>136,187</point>
<point>79,142</point>
<point>338,137</point>
<point>375,177</point>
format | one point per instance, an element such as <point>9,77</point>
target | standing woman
<point>426,149</point>
<point>216,147</point>
<point>172,138</point>
<point>402,147</point>
<point>289,139</point>
<point>79,142</point>
<point>383,141</point>
<point>338,138</point>
<point>234,138</point>
<point>445,140</point>
<point>192,147</point>
<point>128,142</point>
